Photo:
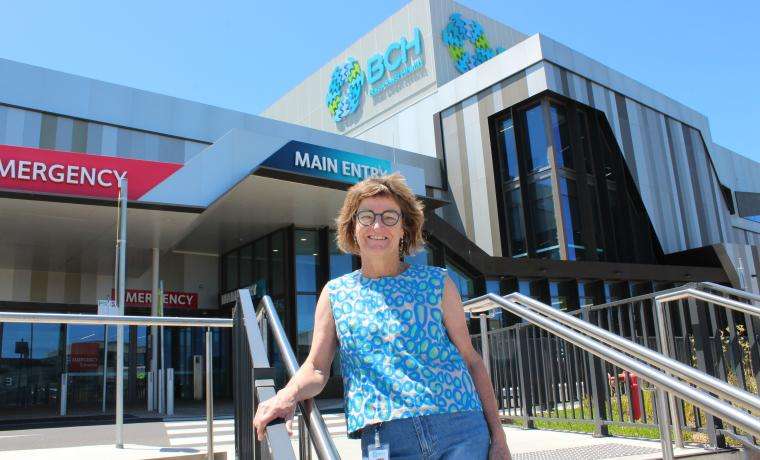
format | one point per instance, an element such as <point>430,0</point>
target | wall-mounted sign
<point>345,91</point>
<point>84,357</point>
<point>78,174</point>
<point>326,163</point>
<point>172,299</point>
<point>400,59</point>
<point>457,33</point>
<point>108,307</point>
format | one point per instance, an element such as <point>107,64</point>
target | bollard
<point>150,391</point>
<point>170,391</point>
<point>64,391</point>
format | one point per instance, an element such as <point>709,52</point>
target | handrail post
<point>209,397</point>
<point>596,374</point>
<point>121,280</point>
<point>665,350</point>
<point>526,402</point>
<point>662,420</point>
<point>484,343</point>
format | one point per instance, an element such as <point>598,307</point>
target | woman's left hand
<point>499,451</point>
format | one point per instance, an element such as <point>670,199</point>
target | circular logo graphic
<point>459,31</point>
<point>345,90</point>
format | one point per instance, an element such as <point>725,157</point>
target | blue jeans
<point>450,436</point>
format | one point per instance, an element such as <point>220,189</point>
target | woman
<point>413,383</point>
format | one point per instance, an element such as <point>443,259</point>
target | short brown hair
<point>393,186</point>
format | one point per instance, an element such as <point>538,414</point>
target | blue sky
<point>244,55</point>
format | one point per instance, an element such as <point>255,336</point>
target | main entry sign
<point>326,163</point>
<point>78,174</point>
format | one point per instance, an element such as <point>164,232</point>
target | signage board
<point>172,299</point>
<point>84,357</point>
<point>108,308</point>
<point>326,163</point>
<point>78,174</point>
<point>400,59</point>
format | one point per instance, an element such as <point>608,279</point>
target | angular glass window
<point>596,216</point>
<point>514,214</point>
<point>542,219</point>
<point>584,141</point>
<point>508,150</point>
<point>536,134</point>
<point>576,248</point>
<point>563,153</point>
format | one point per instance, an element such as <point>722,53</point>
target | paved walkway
<point>156,440</point>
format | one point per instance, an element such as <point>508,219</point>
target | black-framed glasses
<point>367,217</point>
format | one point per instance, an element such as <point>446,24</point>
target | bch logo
<point>459,31</point>
<point>345,90</point>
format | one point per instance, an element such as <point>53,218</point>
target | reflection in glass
<point>576,248</point>
<point>542,214</point>
<point>464,283</point>
<point>277,261</point>
<point>307,261</point>
<point>308,270</point>
<point>261,266</point>
<point>340,263</point>
<point>536,133</point>
<point>231,271</point>
<point>30,367</point>
<point>246,265</point>
<point>508,149</point>
<point>563,153</point>
<point>514,213</point>
<point>564,295</point>
<point>305,303</point>
<point>584,141</point>
<point>596,216</point>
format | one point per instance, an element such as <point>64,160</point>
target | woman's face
<point>379,237</point>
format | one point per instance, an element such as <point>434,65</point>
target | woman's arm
<point>456,327</point>
<point>311,377</point>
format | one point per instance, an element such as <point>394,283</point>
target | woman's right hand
<point>281,406</point>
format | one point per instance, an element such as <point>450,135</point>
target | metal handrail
<point>730,291</point>
<point>67,318</point>
<point>651,357</point>
<point>712,298</point>
<point>664,382</point>
<point>323,443</point>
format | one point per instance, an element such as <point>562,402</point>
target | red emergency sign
<point>172,299</point>
<point>84,357</point>
<point>78,174</point>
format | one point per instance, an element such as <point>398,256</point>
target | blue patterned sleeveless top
<point>396,356</point>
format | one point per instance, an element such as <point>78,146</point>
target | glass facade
<point>565,190</point>
<point>535,132</point>
<point>543,223</point>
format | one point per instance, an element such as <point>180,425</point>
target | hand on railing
<point>281,406</point>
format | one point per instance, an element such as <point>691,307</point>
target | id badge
<point>381,452</point>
